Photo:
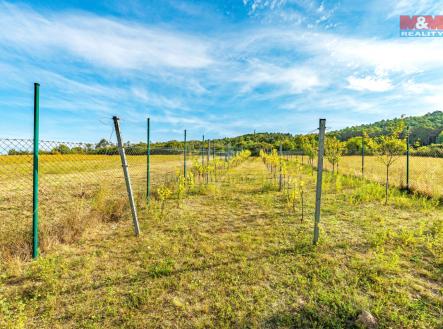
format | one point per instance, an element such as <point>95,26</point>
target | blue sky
<point>221,68</point>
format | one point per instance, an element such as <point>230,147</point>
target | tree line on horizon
<point>425,137</point>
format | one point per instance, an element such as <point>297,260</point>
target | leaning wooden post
<point>321,149</point>
<point>126,174</point>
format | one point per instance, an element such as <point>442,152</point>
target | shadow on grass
<point>303,249</point>
<point>165,269</point>
<point>310,317</point>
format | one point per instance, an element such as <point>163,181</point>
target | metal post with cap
<point>321,151</point>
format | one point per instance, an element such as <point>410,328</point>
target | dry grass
<point>234,256</point>
<point>425,173</point>
<point>425,176</point>
<point>76,192</point>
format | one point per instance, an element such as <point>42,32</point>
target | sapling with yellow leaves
<point>334,151</point>
<point>389,148</point>
<point>181,186</point>
<point>163,193</point>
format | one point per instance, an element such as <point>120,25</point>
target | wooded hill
<point>424,130</point>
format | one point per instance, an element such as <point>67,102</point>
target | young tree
<point>334,151</point>
<point>102,144</point>
<point>61,149</point>
<point>390,148</point>
<point>354,144</point>
<point>309,147</point>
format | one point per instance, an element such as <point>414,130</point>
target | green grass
<point>233,255</point>
<point>69,188</point>
<point>425,176</point>
<point>425,173</point>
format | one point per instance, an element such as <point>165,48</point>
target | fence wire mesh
<point>75,176</point>
<point>425,169</point>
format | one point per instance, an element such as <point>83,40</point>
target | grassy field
<point>425,176</point>
<point>70,186</point>
<point>425,173</point>
<point>232,254</point>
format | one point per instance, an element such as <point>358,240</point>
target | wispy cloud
<point>290,80</point>
<point>93,65</point>
<point>415,7</point>
<point>368,83</point>
<point>101,41</point>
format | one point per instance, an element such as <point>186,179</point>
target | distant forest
<point>424,130</point>
<point>426,135</point>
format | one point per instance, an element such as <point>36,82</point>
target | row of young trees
<point>388,148</point>
<point>201,174</point>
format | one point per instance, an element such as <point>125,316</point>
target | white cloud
<point>100,41</point>
<point>263,4</point>
<point>368,83</point>
<point>332,102</point>
<point>292,80</point>
<point>132,68</point>
<point>419,88</point>
<point>415,7</point>
<point>153,100</point>
<point>329,49</point>
<point>398,56</point>
<point>429,94</point>
<point>434,102</point>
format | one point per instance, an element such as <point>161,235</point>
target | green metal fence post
<point>148,162</point>
<point>280,181</point>
<point>35,172</point>
<point>184,156</point>
<point>208,154</point>
<point>362,155</point>
<point>207,160</point>
<point>407,159</point>
<point>203,150</point>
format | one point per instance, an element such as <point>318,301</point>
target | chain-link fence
<point>420,172</point>
<point>77,177</point>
